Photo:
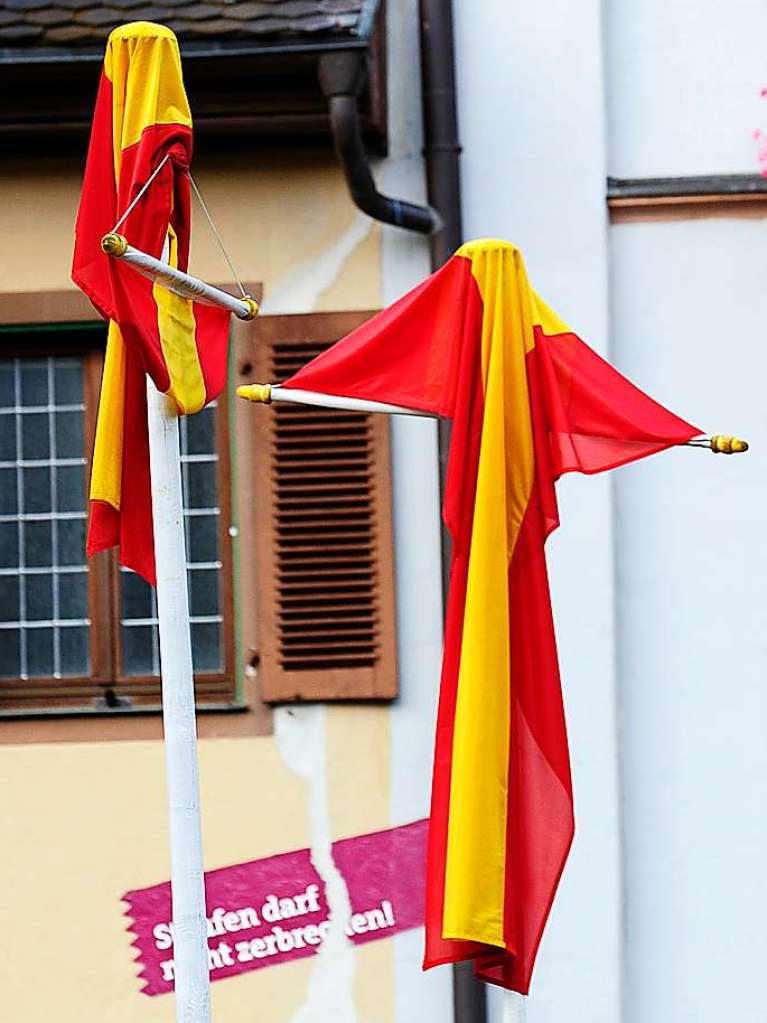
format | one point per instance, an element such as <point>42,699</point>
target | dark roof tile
<point>179,26</point>
<point>297,8</point>
<point>99,16</point>
<point>151,12</point>
<point>213,28</point>
<point>197,12</point>
<point>318,23</point>
<point>126,5</point>
<point>246,11</point>
<point>264,26</point>
<point>49,16</point>
<point>25,5</point>
<point>20,33</point>
<point>69,34</point>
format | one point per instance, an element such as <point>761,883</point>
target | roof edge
<point>46,55</point>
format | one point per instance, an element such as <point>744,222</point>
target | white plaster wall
<point>532,126</point>
<point>684,79</point>
<point>688,311</point>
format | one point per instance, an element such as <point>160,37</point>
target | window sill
<point>246,718</point>
<point>148,710</point>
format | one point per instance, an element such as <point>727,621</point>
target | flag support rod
<point>267,393</point>
<point>190,943</point>
<point>180,283</point>
<point>719,443</point>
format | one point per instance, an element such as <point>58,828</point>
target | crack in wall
<point>301,288</point>
<point>300,731</point>
<point>300,735</point>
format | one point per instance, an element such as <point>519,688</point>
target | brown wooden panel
<point>324,538</point>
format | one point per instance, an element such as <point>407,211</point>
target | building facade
<point>571,120</point>
<point>603,104</point>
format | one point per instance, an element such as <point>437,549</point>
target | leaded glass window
<point>77,633</point>
<point>44,621</point>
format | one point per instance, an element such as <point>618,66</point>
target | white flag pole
<point>190,942</point>
<point>513,1007</point>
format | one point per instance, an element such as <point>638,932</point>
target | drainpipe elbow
<point>342,90</point>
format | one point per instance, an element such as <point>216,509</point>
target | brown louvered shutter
<point>326,628</point>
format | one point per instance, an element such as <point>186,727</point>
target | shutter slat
<point>326,557</point>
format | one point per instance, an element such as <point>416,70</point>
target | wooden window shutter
<point>326,625</point>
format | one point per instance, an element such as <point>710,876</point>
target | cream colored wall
<point>277,214</point>
<point>81,823</point>
<point>84,823</point>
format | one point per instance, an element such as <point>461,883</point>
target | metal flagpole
<point>190,942</point>
<point>513,1007</point>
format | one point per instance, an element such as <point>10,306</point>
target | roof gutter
<point>342,75</point>
<point>189,51</point>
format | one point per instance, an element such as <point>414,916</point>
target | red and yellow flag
<point>529,401</point>
<point>142,116</point>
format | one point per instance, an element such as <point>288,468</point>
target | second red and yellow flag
<point>528,401</point>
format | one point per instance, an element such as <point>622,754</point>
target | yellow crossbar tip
<point>722,444</point>
<point>252,308</point>
<point>114,244</point>
<point>256,392</point>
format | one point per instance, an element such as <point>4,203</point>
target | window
<point>315,576</point>
<point>82,635</point>
<point>45,620</point>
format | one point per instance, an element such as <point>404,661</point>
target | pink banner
<point>273,910</point>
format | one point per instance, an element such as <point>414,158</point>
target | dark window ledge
<point>700,185</point>
<point>147,710</point>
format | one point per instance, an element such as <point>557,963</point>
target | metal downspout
<point>341,77</point>
<point>442,151</point>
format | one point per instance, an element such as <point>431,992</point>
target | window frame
<point>28,324</point>
<point>48,691</point>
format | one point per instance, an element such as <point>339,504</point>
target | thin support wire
<point>197,192</point>
<point>151,178</point>
<point>217,236</point>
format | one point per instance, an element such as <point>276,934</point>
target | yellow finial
<point>252,308</point>
<point>256,392</point>
<point>114,244</point>
<point>723,444</point>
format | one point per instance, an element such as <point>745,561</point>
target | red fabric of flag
<point>141,127</point>
<point>528,401</point>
